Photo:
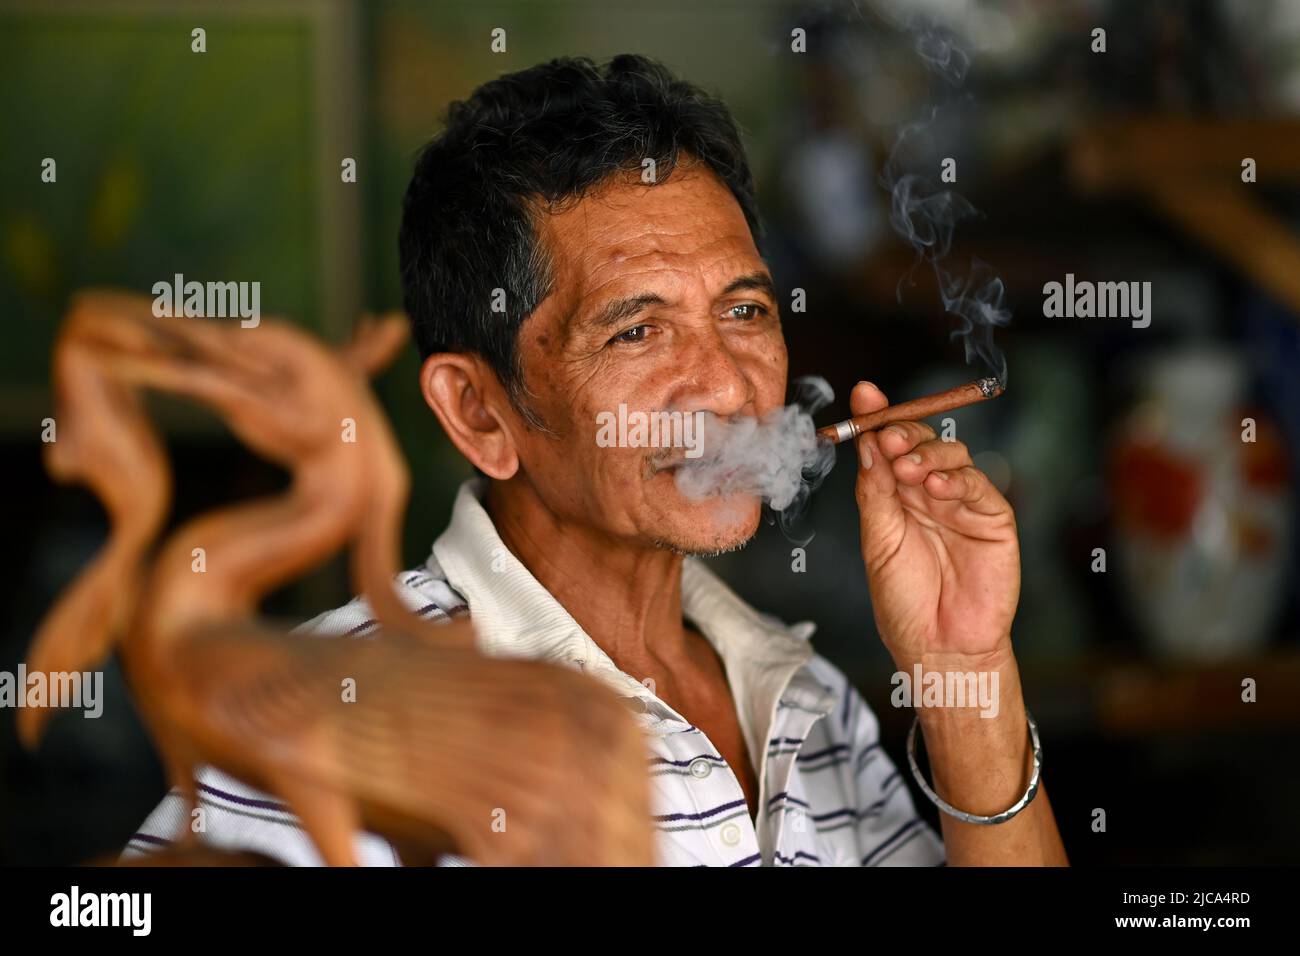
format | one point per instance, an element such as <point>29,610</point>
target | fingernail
<point>896,430</point>
<point>866,456</point>
<point>914,458</point>
<point>942,475</point>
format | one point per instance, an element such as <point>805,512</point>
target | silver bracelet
<point>949,809</point>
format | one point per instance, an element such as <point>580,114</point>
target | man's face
<point>660,302</point>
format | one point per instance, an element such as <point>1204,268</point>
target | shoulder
<point>851,718</point>
<point>238,817</point>
<point>235,817</point>
<point>423,589</point>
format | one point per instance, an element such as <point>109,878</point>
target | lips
<point>666,461</point>
<point>674,464</point>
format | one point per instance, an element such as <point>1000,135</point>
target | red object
<point>1155,492</point>
<point>1264,461</point>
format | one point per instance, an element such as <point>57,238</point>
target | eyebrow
<point>619,310</point>
<point>756,281</point>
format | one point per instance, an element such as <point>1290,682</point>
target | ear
<point>471,404</point>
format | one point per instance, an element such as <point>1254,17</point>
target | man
<point>549,280</point>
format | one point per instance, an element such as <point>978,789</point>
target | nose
<point>713,376</point>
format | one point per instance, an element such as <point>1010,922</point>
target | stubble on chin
<point>691,545</point>
<point>700,551</point>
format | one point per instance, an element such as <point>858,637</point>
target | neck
<point>627,596</point>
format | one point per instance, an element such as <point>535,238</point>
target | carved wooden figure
<point>412,734</point>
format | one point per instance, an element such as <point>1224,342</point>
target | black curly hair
<point>530,142</point>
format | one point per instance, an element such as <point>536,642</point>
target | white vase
<point>1202,510</point>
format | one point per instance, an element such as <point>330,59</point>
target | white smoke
<point>926,215</point>
<point>776,457</point>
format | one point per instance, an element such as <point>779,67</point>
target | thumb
<point>876,489</point>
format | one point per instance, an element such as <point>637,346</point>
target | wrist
<point>980,768</point>
<point>979,754</point>
<point>948,686</point>
<point>1000,656</point>
<point>989,794</point>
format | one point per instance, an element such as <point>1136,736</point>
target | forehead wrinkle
<point>667,267</point>
<point>694,262</point>
<point>597,229</point>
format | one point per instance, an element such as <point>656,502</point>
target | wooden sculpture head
<point>285,395</point>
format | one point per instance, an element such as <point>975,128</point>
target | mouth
<point>663,470</point>
<point>664,462</point>
<point>678,469</point>
<point>673,463</point>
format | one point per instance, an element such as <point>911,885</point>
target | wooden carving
<point>443,749</point>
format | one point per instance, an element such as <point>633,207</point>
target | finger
<point>936,455</point>
<point>865,398</point>
<point>880,511</point>
<point>968,485</point>
<point>901,437</point>
<point>876,490</point>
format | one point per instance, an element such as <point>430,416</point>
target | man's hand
<point>943,566</point>
<point>939,542</point>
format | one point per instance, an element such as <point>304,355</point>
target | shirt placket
<point>786,823</point>
<point>714,813</point>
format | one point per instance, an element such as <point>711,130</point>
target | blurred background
<point>1158,530</point>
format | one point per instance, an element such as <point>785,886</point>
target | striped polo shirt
<point>828,793</point>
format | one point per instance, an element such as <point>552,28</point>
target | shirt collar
<point>515,616</point>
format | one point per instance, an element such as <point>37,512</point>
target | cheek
<point>771,370</point>
<point>585,453</point>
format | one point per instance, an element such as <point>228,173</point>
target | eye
<point>635,334</point>
<point>738,311</point>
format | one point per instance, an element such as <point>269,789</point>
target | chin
<point>705,526</point>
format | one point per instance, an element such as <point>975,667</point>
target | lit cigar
<point>979,390</point>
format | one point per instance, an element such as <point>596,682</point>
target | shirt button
<point>701,768</point>
<point>731,834</point>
